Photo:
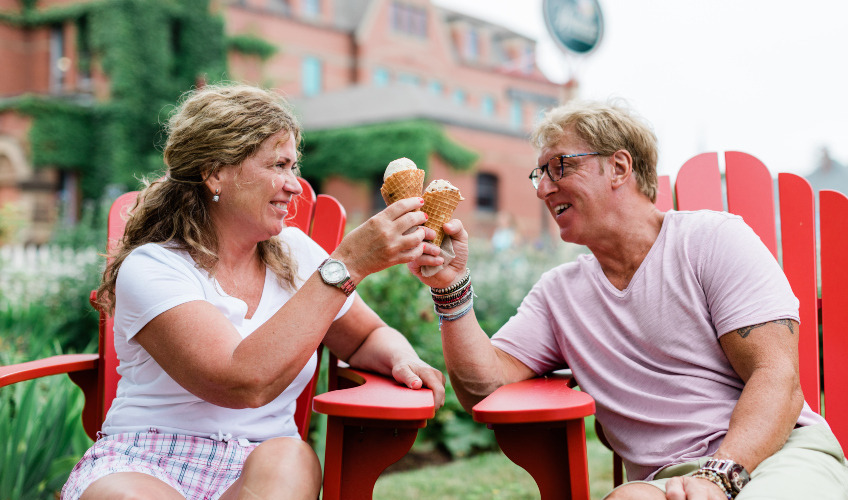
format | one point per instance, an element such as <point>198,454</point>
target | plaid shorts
<point>199,468</point>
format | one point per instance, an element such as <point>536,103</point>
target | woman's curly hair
<point>212,127</point>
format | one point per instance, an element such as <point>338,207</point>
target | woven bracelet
<point>456,286</point>
<point>715,479</point>
<point>455,316</point>
<point>444,301</point>
<point>451,296</point>
<point>456,303</point>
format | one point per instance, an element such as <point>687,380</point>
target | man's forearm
<point>763,418</point>
<point>472,361</point>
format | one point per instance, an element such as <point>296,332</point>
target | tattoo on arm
<point>745,331</point>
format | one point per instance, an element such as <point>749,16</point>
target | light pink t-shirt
<point>649,354</point>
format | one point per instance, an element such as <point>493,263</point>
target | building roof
<point>366,105</point>
<point>829,174</point>
<point>349,13</point>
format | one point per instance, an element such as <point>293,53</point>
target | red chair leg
<point>358,451</point>
<point>553,453</point>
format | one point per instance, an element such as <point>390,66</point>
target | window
<point>488,105</point>
<point>84,53</point>
<point>487,192</point>
<point>436,87</point>
<point>459,96</point>
<point>311,8</point>
<point>408,19</point>
<point>311,75</point>
<point>516,114</point>
<point>279,6</point>
<point>527,60</point>
<point>59,64</point>
<point>409,79</point>
<point>380,77</point>
<point>472,44</point>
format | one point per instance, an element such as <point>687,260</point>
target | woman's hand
<point>393,236</point>
<point>455,269</point>
<point>415,373</point>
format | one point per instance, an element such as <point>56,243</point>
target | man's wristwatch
<point>334,273</point>
<point>732,474</point>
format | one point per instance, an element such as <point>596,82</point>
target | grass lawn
<point>486,476</point>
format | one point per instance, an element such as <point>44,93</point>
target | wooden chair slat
<point>665,200</point>
<point>750,194</point>
<point>798,238</point>
<point>834,301</point>
<point>698,184</point>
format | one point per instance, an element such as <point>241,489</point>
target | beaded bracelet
<point>715,479</point>
<point>456,315</point>
<point>456,303</point>
<point>453,288</point>
<point>445,302</point>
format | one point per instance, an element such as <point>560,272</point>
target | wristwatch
<point>732,474</point>
<point>334,273</point>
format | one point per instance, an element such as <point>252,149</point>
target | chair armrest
<point>54,365</point>
<point>542,399</point>
<point>375,397</point>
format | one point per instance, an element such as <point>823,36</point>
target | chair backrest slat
<point>750,194</point>
<point>698,184</point>
<point>303,208</point>
<point>665,200</point>
<point>834,301</point>
<point>798,241</point>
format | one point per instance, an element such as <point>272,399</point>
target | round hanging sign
<point>575,25</point>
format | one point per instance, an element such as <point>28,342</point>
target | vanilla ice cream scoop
<point>440,185</point>
<point>440,200</point>
<point>397,166</point>
<point>402,179</point>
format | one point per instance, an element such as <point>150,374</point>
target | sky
<point>767,77</point>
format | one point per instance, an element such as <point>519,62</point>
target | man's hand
<point>454,270</point>
<point>415,373</point>
<point>693,488</point>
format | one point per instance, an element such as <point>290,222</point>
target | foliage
<point>487,476</point>
<point>501,280</point>
<point>362,152</point>
<point>40,427</point>
<point>61,129</point>
<point>152,51</point>
<point>252,45</point>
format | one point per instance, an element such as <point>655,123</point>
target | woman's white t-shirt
<point>154,278</point>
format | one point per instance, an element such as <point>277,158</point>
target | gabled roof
<point>365,105</point>
<point>349,13</point>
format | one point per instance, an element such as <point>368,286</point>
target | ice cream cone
<point>439,205</point>
<point>402,184</point>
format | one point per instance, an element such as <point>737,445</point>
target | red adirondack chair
<point>372,421</point>
<point>527,417</point>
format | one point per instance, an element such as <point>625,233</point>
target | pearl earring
<point>216,197</point>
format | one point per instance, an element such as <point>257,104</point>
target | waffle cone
<point>403,184</point>
<point>439,207</point>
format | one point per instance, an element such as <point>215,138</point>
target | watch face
<point>333,271</point>
<point>737,479</point>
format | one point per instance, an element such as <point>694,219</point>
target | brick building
<point>342,63</point>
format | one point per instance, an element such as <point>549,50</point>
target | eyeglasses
<point>555,167</point>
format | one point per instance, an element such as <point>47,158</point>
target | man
<point>681,325</point>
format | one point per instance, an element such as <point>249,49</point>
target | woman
<point>219,310</point>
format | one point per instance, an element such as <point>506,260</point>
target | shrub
<point>501,280</point>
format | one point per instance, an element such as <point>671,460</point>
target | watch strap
<point>346,285</point>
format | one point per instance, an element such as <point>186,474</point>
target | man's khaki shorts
<point>811,465</point>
